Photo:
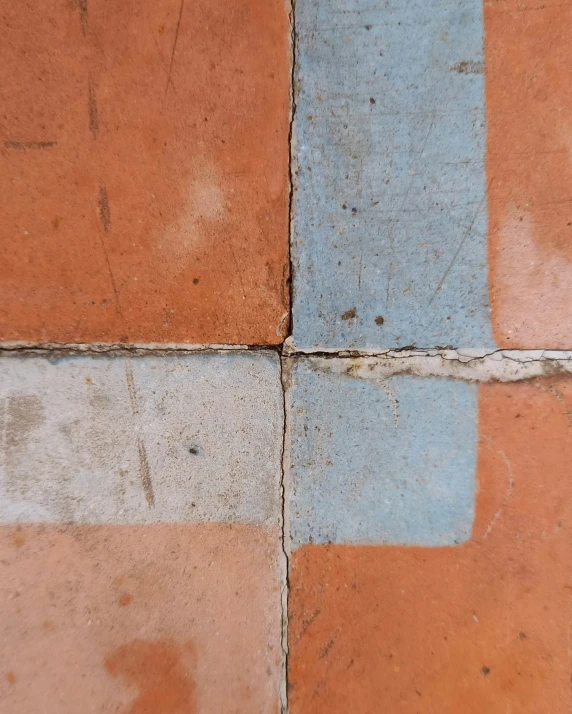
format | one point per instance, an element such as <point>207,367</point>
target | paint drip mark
<point>82,5</point>
<point>145,473</point>
<point>93,115</point>
<point>174,46</point>
<point>26,145</point>
<point>104,211</point>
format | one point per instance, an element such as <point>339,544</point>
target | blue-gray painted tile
<point>389,462</point>
<point>410,246</point>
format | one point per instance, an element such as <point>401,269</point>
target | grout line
<point>285,377</point>
<point>123,350</point>
<point>291,164</point>
<point>285,349</point>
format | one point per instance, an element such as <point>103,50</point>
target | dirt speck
<point>350,314</point>
<point>485,670</point>
<point>379,320</point>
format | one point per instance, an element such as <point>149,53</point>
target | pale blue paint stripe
<point>411,244</point>
<point>381,463</point>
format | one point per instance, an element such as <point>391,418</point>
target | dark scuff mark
<point>144,468</point>
<point>105,217</point>
<point>93,114</point>
<point>104,212</point>
<point>174,47</point>
<point>26,145</point>
<point>324,652</point>
<point>350,314</point>
<point>131,387</point>
<point>82,5</point>
<point>469,67</point>
<point>145,472</point>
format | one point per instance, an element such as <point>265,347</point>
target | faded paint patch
<point>143,440</point>
<point>534,296</point>
<point>201,632</point>
<point>484,627</point>
<point>529,168</point>
<point>387,462</point>
<point>390,208</point>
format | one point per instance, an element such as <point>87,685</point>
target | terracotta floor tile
<point>481,627</point>
<point>144,171</point>
<point>154,619</point>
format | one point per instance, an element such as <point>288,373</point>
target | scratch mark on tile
<point>174,47</point>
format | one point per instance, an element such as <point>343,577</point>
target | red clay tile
<point>144,171</point>
<point>161,619</point>
<point>483,627</point>
<point>529,140</point>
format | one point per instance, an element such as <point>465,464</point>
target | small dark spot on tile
<point>193,450</point>
<point>379,320</point>
<point>522,635</point>
<point>368,27</point>
<point>485,670</point>
<point>125,599</point>
<point>195,281</point>
<point>350,314</point>
<point>344,206</point>
<point>354,211</point>
<point>371,100</point>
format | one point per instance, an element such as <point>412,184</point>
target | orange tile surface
<point>162,619</point>
<point>529,172</point>
<point>484,627</point>
<point>144,170</point>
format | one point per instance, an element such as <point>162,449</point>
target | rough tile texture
<point>377,463</point>
<point>155,619</point>
<point>529,129</point>
<point>483,627</point>
<point>389,240</point>
<point>141,440</point>
<point>144,171</point>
